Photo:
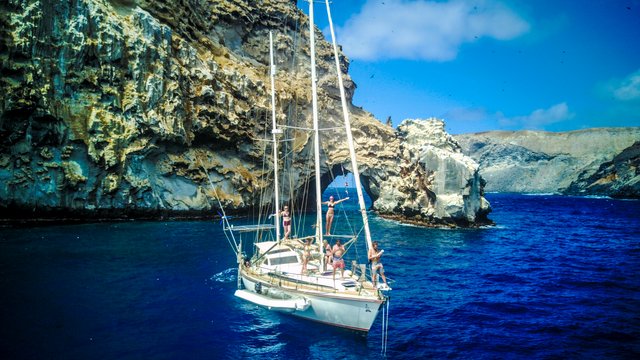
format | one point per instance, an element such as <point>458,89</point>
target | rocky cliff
<point>599,161</point>
<point>618,178</point>
<point>138,108</point>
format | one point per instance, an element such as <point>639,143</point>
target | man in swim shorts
<point>376,265</point>
<point>338,262</point>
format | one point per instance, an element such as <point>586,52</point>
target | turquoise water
<point>556,278</point>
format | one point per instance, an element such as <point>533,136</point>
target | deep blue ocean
<point>557,277</point>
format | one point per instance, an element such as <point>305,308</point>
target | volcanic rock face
<point>586,162</point>
<point>133,107</point>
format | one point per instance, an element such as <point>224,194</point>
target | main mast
<point>316,130</point>
<point>274,132</point>
<point>347,125</point>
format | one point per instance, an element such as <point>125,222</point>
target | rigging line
<point>264,170</point>
<point>265,253</point>
<point>264,210</point>
<point>295,42</point>
<point>305,192</point>
<point>347,245</point>
<point>225,220</point>
<point>256,118</point>
<point>384,312</point>
<point>284,22</point>
<point>292,116</point>
<point>291,198</point>
<point>257,140</point>
<point>386,328</point>
<point>309,129</point>
<point>289,158</point>
<point>350,226</point>
<point>305,188</point>
<point>284,157</point>
<point>352,242</point>
<point>346,183</point>
<point>297,128</point>
<point>343,211</point>
<point>331,128</point>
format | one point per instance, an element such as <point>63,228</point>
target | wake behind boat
<point>295,275</point>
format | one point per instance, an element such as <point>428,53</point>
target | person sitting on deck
<point>330,205</point>
<point>338,262</point>
<point>374,257</point>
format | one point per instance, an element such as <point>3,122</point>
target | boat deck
<point>316,282</point>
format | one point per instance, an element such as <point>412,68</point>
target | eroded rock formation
<point>433,179</point>
<point>134,107</point>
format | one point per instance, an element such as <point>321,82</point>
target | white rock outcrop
<point>435,183</point>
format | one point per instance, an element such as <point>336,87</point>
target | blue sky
<point>493,64</point>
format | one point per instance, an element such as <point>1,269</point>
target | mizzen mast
<point>274,132</point>
<point>316,129</point>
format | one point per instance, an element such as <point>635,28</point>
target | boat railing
<point>359,270</point>
<point>361,273</point>
<point>297,281</point>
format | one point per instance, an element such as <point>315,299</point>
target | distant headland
<point>598,161</point>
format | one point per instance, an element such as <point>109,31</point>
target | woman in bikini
<point>327,254</point>
<point>286,222</point>
<point>331,204</point>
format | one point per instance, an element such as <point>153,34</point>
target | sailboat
<point>291,275</point>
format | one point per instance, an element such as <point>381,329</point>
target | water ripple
<point>226,276</point>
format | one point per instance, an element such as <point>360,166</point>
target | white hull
<point>339,309</point>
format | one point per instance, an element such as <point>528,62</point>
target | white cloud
<point>629,88</point>
<point>539,118</point>
<point>425,30</point>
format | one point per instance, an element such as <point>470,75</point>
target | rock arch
<point>308,202</point>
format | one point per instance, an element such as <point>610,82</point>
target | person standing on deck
<point>374,257</point>
<point>327,254</point>
<point>286,222</point>
<point>330,205</point>
<point>338,262</point>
